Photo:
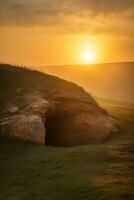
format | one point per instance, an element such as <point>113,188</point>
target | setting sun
<point>88,54</point>
<point>88,57</point>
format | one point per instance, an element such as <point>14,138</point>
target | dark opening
<point>55,126</point>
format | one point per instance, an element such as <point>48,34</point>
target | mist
<point>111,81</point>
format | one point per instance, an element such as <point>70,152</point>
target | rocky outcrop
<point>28,123</point>
<point>51,111</point>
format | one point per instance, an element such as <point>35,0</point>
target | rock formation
<point>47,110</point>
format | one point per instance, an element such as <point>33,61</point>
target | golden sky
<point>56,32</point>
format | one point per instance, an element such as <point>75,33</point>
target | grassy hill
<point>102,172</point>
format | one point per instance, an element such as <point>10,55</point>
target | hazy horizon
<point>112,81</point>
<point>66,32</point>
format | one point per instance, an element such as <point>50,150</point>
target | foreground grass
<point>91,172</point>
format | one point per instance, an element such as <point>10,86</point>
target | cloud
<point>71,16</point>
<point>104,6</point>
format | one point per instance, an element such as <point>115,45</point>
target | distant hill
<point>110,81</point>
<point>111,102</point>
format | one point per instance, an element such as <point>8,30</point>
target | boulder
<point>25,127</point>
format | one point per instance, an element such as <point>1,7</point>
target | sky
<point>62,32</point>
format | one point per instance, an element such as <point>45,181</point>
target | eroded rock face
<point>26,127</point>
<point>55,112</point>
<point>62,122</point>
<point>76,122</point>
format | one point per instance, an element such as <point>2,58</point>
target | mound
<point>45,109</point>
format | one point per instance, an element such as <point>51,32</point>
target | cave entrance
<point>55,126</point>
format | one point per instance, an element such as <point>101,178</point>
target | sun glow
<point>88,55</point>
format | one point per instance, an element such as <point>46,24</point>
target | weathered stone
<point>26,127</point>
<point>39,107</point>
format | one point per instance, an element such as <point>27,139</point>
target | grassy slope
<point>94,172</point>
<point>16,82</point>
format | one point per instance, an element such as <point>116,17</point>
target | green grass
<point>91,172</point>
